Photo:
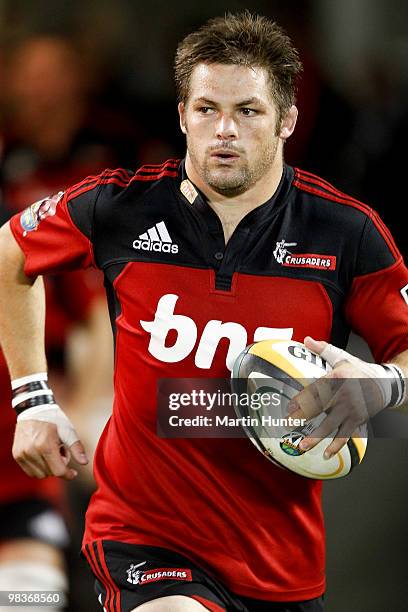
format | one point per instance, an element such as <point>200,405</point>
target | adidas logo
<point>157,239</point>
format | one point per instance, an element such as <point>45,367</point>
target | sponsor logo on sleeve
<point>32,216</point>
<point>404,293</point>
<point>286,258</point>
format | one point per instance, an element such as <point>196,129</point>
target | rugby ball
<point>274,371</point>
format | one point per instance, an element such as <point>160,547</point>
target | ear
<point>288,123</point>
<point>182,115</point>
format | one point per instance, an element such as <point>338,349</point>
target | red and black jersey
<point>310,261</point>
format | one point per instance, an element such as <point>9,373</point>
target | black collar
<point>257,216</point>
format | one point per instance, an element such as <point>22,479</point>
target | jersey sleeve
<point>47,234</point>
<point>377,305</point>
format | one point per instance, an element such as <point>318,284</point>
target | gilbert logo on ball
<point>285,367</point>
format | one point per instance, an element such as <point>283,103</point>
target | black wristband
<point>31,394</point>
<point>40,400</point>
<point>31,386</point>
<point>398,385</point>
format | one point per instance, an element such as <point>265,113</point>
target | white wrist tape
<point>52,413</point>
<point>34,400</point>
<point>30,391</point>
<point>25,380</point>
<point>388,377</point>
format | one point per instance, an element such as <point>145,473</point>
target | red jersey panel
<point>199,496</point>
<point>184,304</point>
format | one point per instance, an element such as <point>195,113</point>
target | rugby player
<point>201,257</point>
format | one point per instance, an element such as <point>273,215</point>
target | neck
<point>231,210</point>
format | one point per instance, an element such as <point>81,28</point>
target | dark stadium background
<point>352,130</point>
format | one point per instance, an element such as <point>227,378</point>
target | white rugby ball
<point>282,368</point>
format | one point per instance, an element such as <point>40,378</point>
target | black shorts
<point>128,576</point>
<point>33,518</point>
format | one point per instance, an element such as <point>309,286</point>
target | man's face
<point>230,121</point>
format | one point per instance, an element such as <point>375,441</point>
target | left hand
<point>347,403</point>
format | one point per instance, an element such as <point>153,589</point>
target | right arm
<point>22,311</point>
<point>37,446</point>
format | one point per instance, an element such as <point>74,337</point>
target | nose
<point>226,128</point>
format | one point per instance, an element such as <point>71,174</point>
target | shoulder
<point>112,182</point>
<point>320,189</point>
<point>111,198</point>
<point>155,172</point>
<point>140,180</point>
<point>343,211</point>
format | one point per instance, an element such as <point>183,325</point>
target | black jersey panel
<point>146,222</point>
<point>82,197</point>
<point>340,326</point>
<point>377,250</point>
<point>312,239</point>
<point>114,306</point>
<point>81,211</point>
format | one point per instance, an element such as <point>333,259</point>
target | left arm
<point>376,308</point>
<point>351,393</point>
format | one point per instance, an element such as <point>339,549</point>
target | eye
<point>205,110</point>
<point>248,112</point>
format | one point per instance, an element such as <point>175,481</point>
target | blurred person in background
<point>48,139</point>
<point>375,150</point>
<point>45,146</point>
<point>365,145</point>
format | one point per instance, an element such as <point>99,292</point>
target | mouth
<point>224,155</point>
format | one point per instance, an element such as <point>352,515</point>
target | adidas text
<point>158,247</point>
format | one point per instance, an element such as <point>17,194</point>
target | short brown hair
<point>245,39</point>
